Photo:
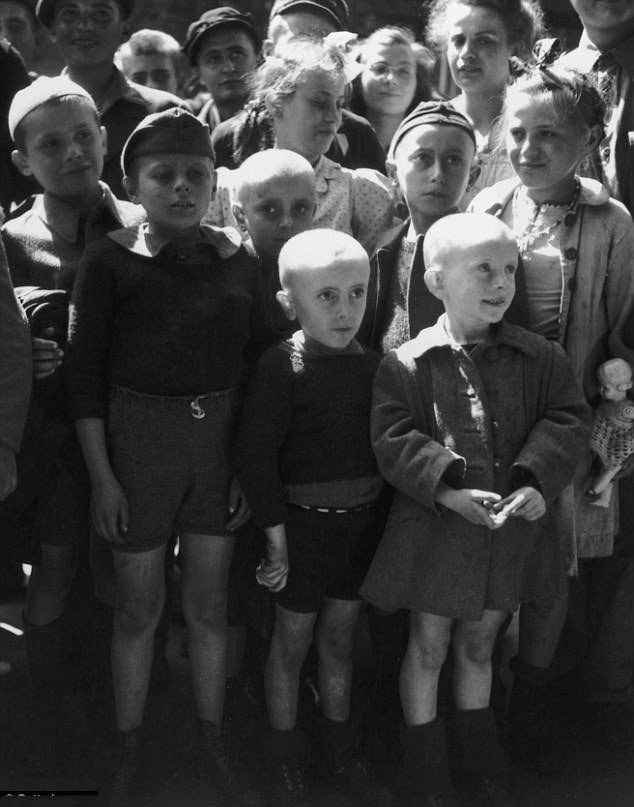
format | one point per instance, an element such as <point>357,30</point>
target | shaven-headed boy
<point>310,476</point>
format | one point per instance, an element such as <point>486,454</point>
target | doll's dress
<point>613,435</point>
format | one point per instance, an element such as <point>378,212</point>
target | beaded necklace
<point>527,236</point>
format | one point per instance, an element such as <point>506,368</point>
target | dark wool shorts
<point>171,456</point>
<point>328,556</point>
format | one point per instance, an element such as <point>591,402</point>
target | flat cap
<point>216,18</point>
<point>439,112</point>
<point>336,10</point>
<point>41,91</point>
<point>173,131</point>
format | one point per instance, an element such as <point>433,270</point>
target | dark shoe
<point>425,770</point>
<point>488,792</point>
<point>611,725</point>
<point>125,768</point>
<point>355,780</point>
<point>215,767</point>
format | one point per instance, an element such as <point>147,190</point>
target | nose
<point>181,183</point>
<point>437,171</point>
<point>73,151</point>
<point>529,145</point>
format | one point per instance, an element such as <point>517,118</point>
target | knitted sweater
<point>161,319</point>
<point>305,434</point>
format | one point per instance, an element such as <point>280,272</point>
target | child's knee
<point>209,609</point>
<point>137,614</point>
<point>475,648</point>
<point>292,638</point>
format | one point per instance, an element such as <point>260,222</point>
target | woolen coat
<point>506,414</point>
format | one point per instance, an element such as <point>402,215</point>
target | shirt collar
<point>224,240</point>
<point>502,333</point>
<point>64,219</point>
<point>587,53</point>
<point>325,171</point>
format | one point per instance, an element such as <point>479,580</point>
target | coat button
<point>492,354</point>
<point>570,219</point>
<point>495,425</point>
<point>570,254</point>
<point>497,465</point>
<point>605,153</point>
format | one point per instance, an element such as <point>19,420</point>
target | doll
<point>613,431</point>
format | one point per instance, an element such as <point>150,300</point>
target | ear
<point>21,163</point>
<point>267,48</point>
<point>390,167</point>
<point>104,138</point>
<point>286,301</point>
<point>272,107</point>
<point>433,281</point>
<point>129,183</point>
<point>238,213</point>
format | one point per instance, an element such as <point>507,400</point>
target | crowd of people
<point>288,332</point>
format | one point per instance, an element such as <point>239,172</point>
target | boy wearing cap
<point>88,32</point>
<point>165,317</point>
<point>223,48</point>
<point>60,143</point>
<point>356,144</point>
<point>430,162</point>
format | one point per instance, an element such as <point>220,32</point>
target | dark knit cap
<point>336,10</point>
<point>45,9</point>
<point>174,131</point>
<point>439,112</point>
<point>224,16</point>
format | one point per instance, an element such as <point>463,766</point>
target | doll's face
<point>614,382</point>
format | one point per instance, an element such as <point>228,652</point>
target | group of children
<point>211,373</point>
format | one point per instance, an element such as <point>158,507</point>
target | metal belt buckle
<point>197,411</point>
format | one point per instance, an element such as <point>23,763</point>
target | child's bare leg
<point>335,642</point>
<point>140,596</point>
<point>291,639</point>
<point>426,652</point>
<point>473,644</point>
<point>206,561</point>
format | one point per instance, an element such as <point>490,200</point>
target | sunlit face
<point>275,210</point>
<point>18,26</point>
<point>155,70</point>
<point>87,32</point>
<point>478,50</point>
<point>432,165</point>
<point>225,59</point>
<point>64,148</point>
<point>174,189</point>
<point>478,282</point>
<point>308,120</point>
<point>388,80</point>
<point>606,16</point>
<point>329,302</point>
<point>544,147</point>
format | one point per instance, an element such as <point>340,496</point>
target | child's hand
<point>47,355</point>
<point>474,505</point>
<point>524,502</point>
<point>238,507</point>
<point>109,510</point>
<point>272,572</point>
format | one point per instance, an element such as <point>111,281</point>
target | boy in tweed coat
<point>478,425</point>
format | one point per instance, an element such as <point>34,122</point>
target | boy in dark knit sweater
<point>309,474</point>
